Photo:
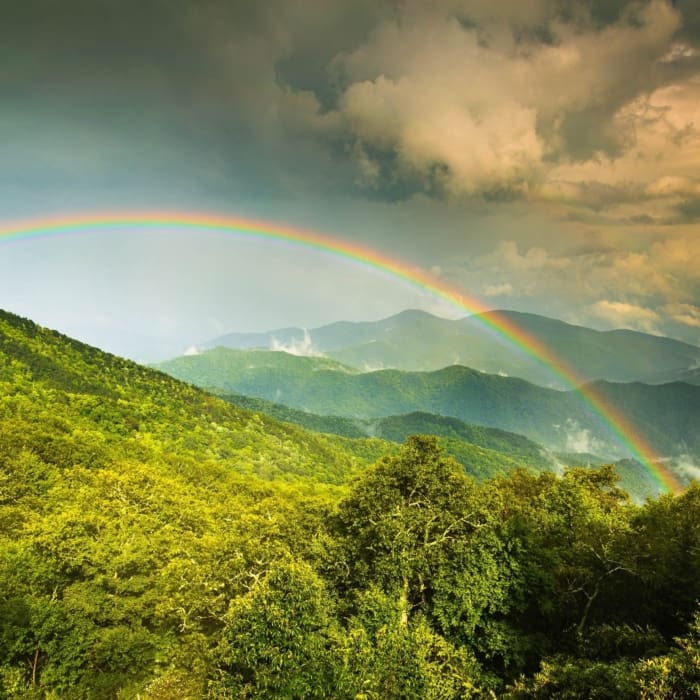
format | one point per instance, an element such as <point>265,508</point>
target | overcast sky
<point>544,155</point>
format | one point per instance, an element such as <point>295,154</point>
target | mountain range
<point>69,403</point>
<point>667,414</point>
<point>158,541</point>
<point>418,341</point>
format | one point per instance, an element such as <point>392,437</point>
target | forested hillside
<point>483,452</point>
<point>159,543</point>
<point>668,414</point>
<point>399,342</point>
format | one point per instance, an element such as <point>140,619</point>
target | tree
<point>401,518</point>
<point>277,639</point>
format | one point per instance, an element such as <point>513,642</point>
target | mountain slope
<point>62,387</point>
<point>688,376</point>
<point>417,341</point>
<point>667,414</point>
<point>156,542</point>
<point>398,428</point>
<point>461,436</point>
<point>133,510</point>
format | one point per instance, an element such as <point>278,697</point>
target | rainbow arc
<point>624,431</point>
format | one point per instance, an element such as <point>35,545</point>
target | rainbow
<point>626,433</point>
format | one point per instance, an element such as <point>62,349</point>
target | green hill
<point>483,452</point>
<point>398,428</point>
<point>69,384</point>
<point>667,414</point>
<point>132,509</point>
<point>158,543</point>
<point>418,341</point>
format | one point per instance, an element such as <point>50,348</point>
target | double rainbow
<point>626,433</point>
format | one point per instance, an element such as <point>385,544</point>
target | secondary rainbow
<point>620,426</point>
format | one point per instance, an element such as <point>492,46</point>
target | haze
<point>542,155</point>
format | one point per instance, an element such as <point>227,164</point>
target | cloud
<point>457,98</point>
<point>504,289</point>
<point>581,440</point>
<point>687,314</point>
<point>687,467</point>
<point>670,185</point>
<point>606,280</point>
<point>302,348</point>
<point>472,98</point>
<point>622,315</point>
<point>191,351</point>
<point>535,258</point>
<point>652,179</point>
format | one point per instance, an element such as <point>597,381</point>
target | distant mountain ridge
<point>668,414</point>
<point>418,341</point>
<point>398,428</point>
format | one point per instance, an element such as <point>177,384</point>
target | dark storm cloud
<point>502,133</point>
<point>124,93</point>
<point>689,210</point>
<point>448,97</point>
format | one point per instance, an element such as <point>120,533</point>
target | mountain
<point>254,371</point>
<point>667,414</point>
<point>689,376</point>
<point>418,341</point>
<point>397,428</point>
<point>63,388</point>
<point>483,452</point>
<point>133,509</point>
<point>71,401</point>
<point>394,428</point>
<point>158,542</point>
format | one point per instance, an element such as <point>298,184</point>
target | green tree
<point>676,674</point>
<point>400,520</point>
<point>277,640</point>
<point>383,659</point>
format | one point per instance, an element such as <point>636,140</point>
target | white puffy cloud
<point>622,315</point>
<point>472,108</point>
<point>580,440</point>
<point>301,348</point>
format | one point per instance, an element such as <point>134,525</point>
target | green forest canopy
<point>157,542</point>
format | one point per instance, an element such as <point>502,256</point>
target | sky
<point>541,155</point>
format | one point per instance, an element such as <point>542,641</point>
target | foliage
<point>157,542</point>
<point>666,414</point>
<point>483,452</point>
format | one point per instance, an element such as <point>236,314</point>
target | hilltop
<point>418,341</point>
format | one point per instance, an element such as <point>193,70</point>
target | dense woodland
<point>158,542</point>
<point>666,414</point>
